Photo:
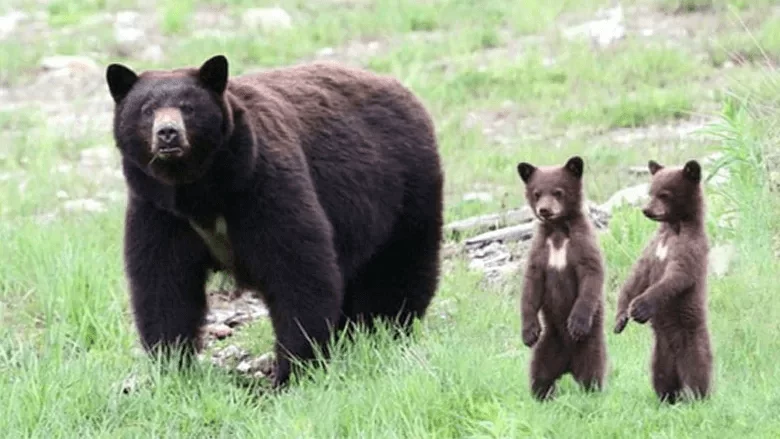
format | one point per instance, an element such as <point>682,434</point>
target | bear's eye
<point>663,196</point>
<point>147,110</point>
<point>537,194</point>
<point>558,193</point>
<point>186,108</point>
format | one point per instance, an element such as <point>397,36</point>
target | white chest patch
<point>217,241</point>
<point>557,256</point>
<point>661,251</point>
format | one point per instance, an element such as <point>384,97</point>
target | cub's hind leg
<point>548,363</point>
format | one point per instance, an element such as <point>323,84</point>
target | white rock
<point>9,22</point>
<point>127,30</point>
<point>84,204</point>
<point>720,259</point>
<point>153,53</point>
<point>67,62</point>
<point>267,19</point>
<point>478,196</point>
<point>602,32</point>
<point>633,195</point>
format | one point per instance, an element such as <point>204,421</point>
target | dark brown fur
<point>570,298</point>
<point>329,183</point>
<point>668,285</point>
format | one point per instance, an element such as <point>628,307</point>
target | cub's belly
<point>560,292</point>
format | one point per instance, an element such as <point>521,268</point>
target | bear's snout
<point>169,136</point>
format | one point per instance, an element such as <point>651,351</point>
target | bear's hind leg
<point>588,364</point>
<point>666,381</point>
<point>694,367</point>
<point>398,283</point>
<point>548,363</point>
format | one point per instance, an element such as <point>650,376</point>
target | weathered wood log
<point>518,232</point>
<point>491,221</point>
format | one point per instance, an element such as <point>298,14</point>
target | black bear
<point>564,279</point>
<point>319,186</point>
<point>668,284</point>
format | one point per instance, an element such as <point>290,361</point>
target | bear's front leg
<point>166,265</point>
<point>284,246</point>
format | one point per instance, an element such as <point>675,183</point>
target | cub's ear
<point>526,170</point>
<point>120,80</point>
<point>575,166</point>
<point>654,167</point>
<point>692,171</point>
<point>214,73</point>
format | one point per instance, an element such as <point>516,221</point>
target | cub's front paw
<point>531,332</point>
<point>579,325</point>
<point>642,309</point>
<point>620,322</point>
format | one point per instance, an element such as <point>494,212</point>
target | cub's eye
<point>558,193</point>
<point>537,194</point>
<point>186,108</point>
<point>663,196</point>
<point>147,110</point>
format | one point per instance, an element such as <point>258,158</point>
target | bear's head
<point>171,123</point>
<point>675,193</point>
<point>555,192</point>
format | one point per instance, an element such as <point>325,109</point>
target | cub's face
<point>674,192</point>
<point>170,123</point>
<point>554,193</point>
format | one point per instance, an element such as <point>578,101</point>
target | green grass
<point>502,86</point>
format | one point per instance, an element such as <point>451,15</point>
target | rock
<point>132,383</point>
<point>259,366</point>
<point>602,32</point>
<point>84,204</point>
<point>230,356</point>
<point>267,19</point>
<point>634,195</point>
<point>153,53</point>
<point>9,22</point>
<point>483,197</point>
<point>127,29</point>
<point>220,331</point>
<point>720,259</point>
<point>70,63</point>
<point>639,171</point>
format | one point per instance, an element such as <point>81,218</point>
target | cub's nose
<point>167,135</point>
<point>545,212</point>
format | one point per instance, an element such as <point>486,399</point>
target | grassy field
<point>504,84</point>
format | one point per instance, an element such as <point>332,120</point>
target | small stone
<point>62,195</point>
<point>602,32</point>
<point>259,366</point>
<point>326,51</point>
<point>720,259</point>
<point>70,63</point>
<point>84,204</point>
<point>633,195</point>
<point>267,19</point>
<point>220,331</point>
<point>9,22</point>
<point>132,383</point>
<point>153,53</point>
<point>478,196</point>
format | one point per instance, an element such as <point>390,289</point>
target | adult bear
<point>318,186</point>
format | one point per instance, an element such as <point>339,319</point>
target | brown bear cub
<point>318,186</point>
<point>564,280</point>
<point>668,285</point>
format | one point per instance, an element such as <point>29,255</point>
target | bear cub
<point>318,186</point>
<point>563,279</point>
<point>668,284</point>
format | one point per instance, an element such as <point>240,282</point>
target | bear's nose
<point>167,134</point>
<point>545,212</point>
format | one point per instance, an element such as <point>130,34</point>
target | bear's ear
<point>692,171</point>
<point>654,167</point>
<point>525,170</point>
<point>120,80</point>
<point>214,73</point>
<point>575,166</point>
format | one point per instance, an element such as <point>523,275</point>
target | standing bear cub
<point>317,186</point>
<point>564,278</point>
<point>668,284</point>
